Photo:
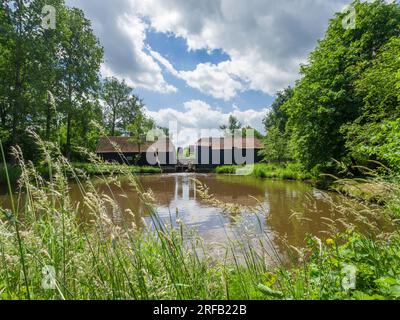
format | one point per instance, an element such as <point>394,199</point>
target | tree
<point>376,132</point>
<point>81,56</point>
<point>257,134</point>
<point>140,126</point>
<point>325,99</point>
<point>277,116</point>
<point>116,94</point>
<point>28,60</point>
<point>233,125</point>
<point>275,146</point>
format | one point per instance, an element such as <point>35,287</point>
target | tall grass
<point>157,260</point>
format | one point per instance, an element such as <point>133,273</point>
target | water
<point>269,208</point>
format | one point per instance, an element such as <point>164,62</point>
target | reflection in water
<point>176,197</point>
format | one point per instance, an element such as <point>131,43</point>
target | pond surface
<point>269,208</point>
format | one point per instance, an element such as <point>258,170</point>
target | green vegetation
<point>50,81</point>
<point>346,105</point>
<point>99,260</point>
<point>288,171</point>
<point>341,114</point>
<point>14,173</point>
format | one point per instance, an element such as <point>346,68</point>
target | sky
<point>198,61</point>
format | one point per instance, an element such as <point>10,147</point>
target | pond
<point>284,211</point>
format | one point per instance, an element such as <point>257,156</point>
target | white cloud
<point>265,39</point>
<point>199,116</point>
<point>122,32</point>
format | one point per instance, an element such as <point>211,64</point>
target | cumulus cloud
<point>265,39</point>
<point>122,32</point>
<point>199,119</point>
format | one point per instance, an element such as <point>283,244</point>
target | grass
<point>382,189</point>
<point>98,260</point>
<point>289,171</point>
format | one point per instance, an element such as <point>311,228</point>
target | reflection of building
<point>124,150</point>
<point>213,152</point>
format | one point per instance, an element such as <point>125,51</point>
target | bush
<point>288,171</point>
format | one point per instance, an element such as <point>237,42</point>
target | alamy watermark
<point>49,18</point>
<point>349,21</point>
<point>49,278</point>
<point>349,280</point>
<point>209,147</point>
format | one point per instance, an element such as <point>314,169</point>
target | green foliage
<point>375,141</point>
<point>376,133</point>
<point>276,141</point>
<point>14,173</point>
<point>327,97</point>
<point>35,61</point>
<point>116,94</point>
<point>287,171</point>
<point>376,263</point>
<point>140,125</point>
<point>277,116</point>
<point>232,126</point>
<point>275,146</point>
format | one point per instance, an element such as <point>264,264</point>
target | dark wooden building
<point>213,152</point>
<point>124,150</point>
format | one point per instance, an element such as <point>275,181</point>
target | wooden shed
<point>124,150</point>
<point>212,152</point>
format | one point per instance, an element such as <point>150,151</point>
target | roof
<point>125,145</point>
<point>229,143</point>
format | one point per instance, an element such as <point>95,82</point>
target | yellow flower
<point>330,242</point>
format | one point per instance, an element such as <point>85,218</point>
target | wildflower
<point>330,242</point>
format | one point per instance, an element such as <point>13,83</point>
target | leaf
<point>395,291</point>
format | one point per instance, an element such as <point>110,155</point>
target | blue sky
<point>176,51</point>
<point>198,61</point>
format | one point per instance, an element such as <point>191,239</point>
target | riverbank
<point>89,169</point>
<point>288,171</point>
